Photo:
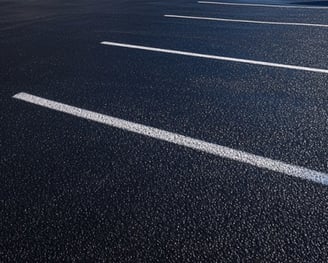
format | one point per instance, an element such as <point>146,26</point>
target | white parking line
<point>239,60</point>
<point>199,145</point>
<point>245,21</point>
<point>263,5</point>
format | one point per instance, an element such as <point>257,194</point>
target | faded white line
<point>263,5</point>
<point>238,60</point>
<point>199,145</point>
<point>245,21</point>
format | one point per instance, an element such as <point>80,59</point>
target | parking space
<point>177,131</point>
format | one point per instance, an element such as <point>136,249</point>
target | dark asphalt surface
<point>74,190</point>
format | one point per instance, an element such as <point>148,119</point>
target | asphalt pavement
<point>150,131</point>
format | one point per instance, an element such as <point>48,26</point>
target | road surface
<point>164,131</point>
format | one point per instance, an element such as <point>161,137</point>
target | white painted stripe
<point>239,60</point>
<point>264,5</point>
<point>246,21</point>
<point>199,145</point>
